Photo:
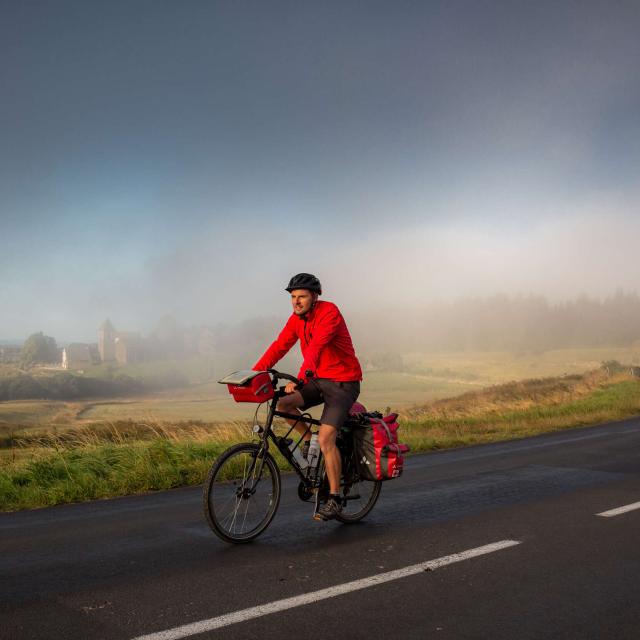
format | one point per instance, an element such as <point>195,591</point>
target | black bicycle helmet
<point>305,281</point>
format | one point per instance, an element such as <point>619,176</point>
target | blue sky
<point>188,157</point>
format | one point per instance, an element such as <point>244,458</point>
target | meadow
<point>426,377</point>
<point>168,439</point>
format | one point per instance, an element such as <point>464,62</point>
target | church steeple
<point>107,341</point>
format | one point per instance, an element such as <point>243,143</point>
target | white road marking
<point>619,510</point>
<point>315,596</point>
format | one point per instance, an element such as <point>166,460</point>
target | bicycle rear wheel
<point>359,496</point>
<point>241,493</point>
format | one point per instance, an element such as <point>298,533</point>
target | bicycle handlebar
<point>283,376</point>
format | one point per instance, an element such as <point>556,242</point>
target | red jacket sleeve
<point>280,346</point>
<point>324,331</point>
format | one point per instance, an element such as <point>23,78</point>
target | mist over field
<point>408,269</point>
<point>397,274</point>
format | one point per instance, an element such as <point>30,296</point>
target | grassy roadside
<point>107,461</point>
<point>130,458</point>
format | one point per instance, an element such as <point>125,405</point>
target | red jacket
<point>326,345</point>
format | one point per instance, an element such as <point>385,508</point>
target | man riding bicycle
<point>330,373</point>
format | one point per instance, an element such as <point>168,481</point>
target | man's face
<point>302,300</point>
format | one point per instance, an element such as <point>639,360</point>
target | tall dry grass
<point>523,408</point>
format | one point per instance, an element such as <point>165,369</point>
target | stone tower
<point>107,341</point>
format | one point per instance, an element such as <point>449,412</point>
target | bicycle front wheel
<point>241,493</point>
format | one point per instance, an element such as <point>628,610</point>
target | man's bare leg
<point>332,463</point>
<point>292,404</point>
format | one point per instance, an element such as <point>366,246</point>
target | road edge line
<point>619,510</point>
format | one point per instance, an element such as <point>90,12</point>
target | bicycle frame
<point>267,435</point>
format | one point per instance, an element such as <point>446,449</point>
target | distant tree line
<point>68,386</point>
<point>64,386</point>
<point>502,323</point>
<point>497,323</point>
<point>533,323</point>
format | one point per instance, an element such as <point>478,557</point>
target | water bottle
<point>314,450</point>
<point>297,454</point>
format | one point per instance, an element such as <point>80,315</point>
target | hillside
<point>526,407</point>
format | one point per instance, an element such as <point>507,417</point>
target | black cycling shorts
<point>338,397</point>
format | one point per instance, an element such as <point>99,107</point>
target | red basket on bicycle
<point>249,386</point>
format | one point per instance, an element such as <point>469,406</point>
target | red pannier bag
<point>249,386</point>
<point>379,455</point>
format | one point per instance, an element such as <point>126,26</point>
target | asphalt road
<point>124,568</point>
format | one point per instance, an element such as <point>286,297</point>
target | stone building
<point>79,355</point>
<point>128,348</point>
<point>167,342</point>
<point>123,347</point>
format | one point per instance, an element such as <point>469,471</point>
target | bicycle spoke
<point>231,517</point>
<point>246,510</point>
<point>242,493</point>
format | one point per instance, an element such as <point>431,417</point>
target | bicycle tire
<point>374,487</point>
<point>236,477</point>
<point>354,510</point>
<point>350,479</point>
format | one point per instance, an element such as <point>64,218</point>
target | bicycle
<point>242,490</point>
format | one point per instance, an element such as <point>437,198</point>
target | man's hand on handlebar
<point>291,387</point>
